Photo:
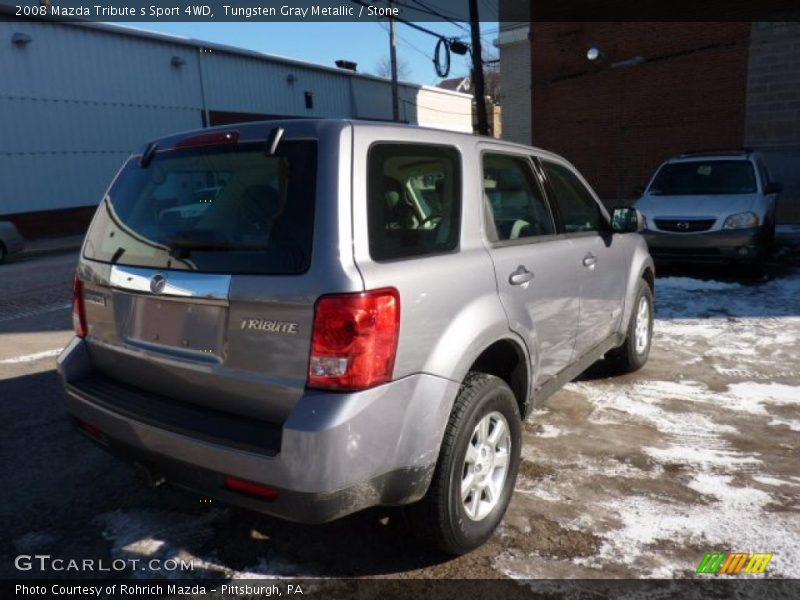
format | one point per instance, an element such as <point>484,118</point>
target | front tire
<point>477,468</point>
<point>3,253</point>
<point>633,353</point>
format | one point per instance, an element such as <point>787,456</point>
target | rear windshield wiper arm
<point>182,247</point>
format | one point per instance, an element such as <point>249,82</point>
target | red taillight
<point>250,488</point>
<point>354,343</point>
<point>78,308</point>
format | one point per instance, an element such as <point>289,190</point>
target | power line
<point>431,11</point>
<point>445,40</point>
<point>409,23</point>
<point>492,8</point>
<point>458,17</point>
<point>404,41</point>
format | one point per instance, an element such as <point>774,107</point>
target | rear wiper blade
<point>185,246</point>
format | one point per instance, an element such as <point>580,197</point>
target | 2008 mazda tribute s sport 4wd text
<point>311,317</point>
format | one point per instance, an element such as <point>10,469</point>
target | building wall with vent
<point>77,98</point>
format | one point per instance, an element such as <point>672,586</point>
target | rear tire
<point>476,470</point>
<point>3,253</point>
<point>633,353</point>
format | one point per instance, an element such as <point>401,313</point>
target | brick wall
<point>662,89</point>
<point>773,107</point>
<point>773,94</point>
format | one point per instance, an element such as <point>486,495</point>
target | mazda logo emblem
<point>683,225</point>
<point>158,283</point>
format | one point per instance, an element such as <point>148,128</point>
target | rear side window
<point>219,209</point>
<point>516,201</point>
<point>576,205</point>
<point>413,200</point>
<point>705,177</point>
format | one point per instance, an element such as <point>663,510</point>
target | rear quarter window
<point>413,200</point>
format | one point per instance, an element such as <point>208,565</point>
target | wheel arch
<point>642,268</point>
<point>508,359</point>
<point>650,277</point>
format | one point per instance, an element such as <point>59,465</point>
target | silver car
<point>11,241</point>
<point>350,314</point>
<point>711,206</point>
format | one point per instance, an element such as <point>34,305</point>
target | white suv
<point>711,206</point>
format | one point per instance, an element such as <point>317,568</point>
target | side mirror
<point>627,220</point>
<point>638,191</point>
<point>773,187</point>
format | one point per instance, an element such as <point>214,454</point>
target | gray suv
<point>716,206</point>
<point>311,317</point>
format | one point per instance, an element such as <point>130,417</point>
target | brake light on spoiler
<point>214,138</point>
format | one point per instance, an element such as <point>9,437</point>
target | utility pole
<point>478,86</point>
<point>393,58</point>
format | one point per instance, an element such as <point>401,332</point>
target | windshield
<point>704,177</point>
<point>222,209</point>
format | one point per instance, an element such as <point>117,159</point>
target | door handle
<point>590,260</point>
<point>520,276</point>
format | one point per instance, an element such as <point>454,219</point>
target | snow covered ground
<point>697,452</point>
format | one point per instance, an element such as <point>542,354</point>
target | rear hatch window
<point>216,209</point>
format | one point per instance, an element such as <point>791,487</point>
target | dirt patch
<point>783,503</point>
<point>666,488</point>
<point>547,538</point>
<point>674,469</point>
<point>535,471</point>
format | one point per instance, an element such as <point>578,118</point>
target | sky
<point>323,43</point>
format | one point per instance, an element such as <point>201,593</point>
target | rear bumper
<point>739,244</point>
<point>338,453</point>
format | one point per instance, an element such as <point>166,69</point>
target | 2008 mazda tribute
<point>311,317</point>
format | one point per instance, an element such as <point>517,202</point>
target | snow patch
<point>774,393</point>
<point>702,456</point>
<point>793,425</point>
<point>689,284</point>
<point>146,546</point>
<point>645,521</point>
<point>774,481</point>
<point>165,535</point>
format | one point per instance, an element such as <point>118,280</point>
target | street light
<point>595,54</point>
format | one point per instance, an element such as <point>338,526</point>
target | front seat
<point>399,213</point>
